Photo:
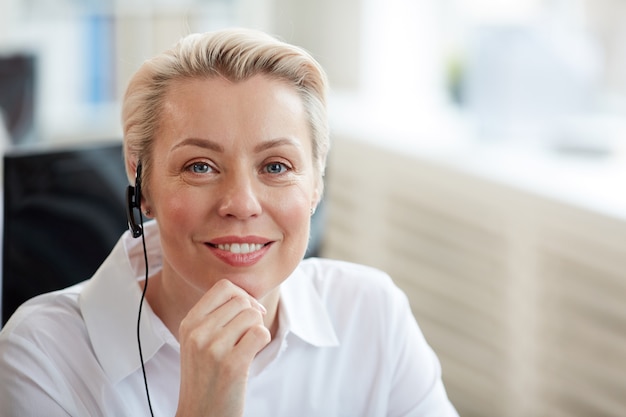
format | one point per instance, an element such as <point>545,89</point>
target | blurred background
<point>478,157</point>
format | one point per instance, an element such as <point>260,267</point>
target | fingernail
<point>260,306</point>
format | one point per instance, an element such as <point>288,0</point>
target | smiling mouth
<point>239,247</point>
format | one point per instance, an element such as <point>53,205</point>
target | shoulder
<point>47,332</point>
<point>46,316</point>
<point>46,357</point>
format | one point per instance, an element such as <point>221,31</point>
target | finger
<point>232,332</point>
<point>225,313</point>
<point>253,340</point>
<point>200,329</point>
<point>224,290</point>
<point>220,344</point>
<point>221,329</point>
<point>220,294</point>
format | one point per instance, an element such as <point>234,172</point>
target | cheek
<point>177,209</point>
<point>293,213</point>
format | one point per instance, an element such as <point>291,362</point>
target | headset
<point>133,202</point>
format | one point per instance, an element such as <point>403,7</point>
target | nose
<point>239,198</point>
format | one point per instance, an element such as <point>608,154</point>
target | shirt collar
<point>110,305</point>
<point>303,313</point>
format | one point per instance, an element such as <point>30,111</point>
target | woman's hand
<point>219,338</point>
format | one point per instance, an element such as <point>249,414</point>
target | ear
<point>132,164</point>
<point>317,194</point>
<point>131,168</point>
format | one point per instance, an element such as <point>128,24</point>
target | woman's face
<point>233,184</point>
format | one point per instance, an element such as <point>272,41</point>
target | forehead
<point>221,93</point>
<point>259,102</point>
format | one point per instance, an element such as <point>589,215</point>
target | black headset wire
<point>143,296</point>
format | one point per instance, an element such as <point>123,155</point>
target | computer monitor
<point>63,213</point>
<point>18,96</point>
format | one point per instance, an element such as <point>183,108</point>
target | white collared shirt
<point>347,345</point>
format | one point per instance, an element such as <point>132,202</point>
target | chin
<point>254,284</point>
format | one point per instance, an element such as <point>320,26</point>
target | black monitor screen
<point>17,96</point>
<point>63,213</point>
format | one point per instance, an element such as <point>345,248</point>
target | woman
<point>225,140</point>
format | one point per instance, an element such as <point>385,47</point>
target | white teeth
<point>240,248</point>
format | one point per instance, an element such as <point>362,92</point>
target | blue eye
<point>200,168</point>
<point>275,168</point>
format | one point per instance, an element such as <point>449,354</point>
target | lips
<point>240,247</point>
<point>238,251</point>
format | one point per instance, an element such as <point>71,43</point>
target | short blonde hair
<point>235,54</point>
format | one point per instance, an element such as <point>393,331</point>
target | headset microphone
<point>133,201</point>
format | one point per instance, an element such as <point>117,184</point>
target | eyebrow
<point>273,143</point>
<point>217,147</point>
<point>201,143</point>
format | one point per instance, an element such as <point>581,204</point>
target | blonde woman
<point>225,139</point>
